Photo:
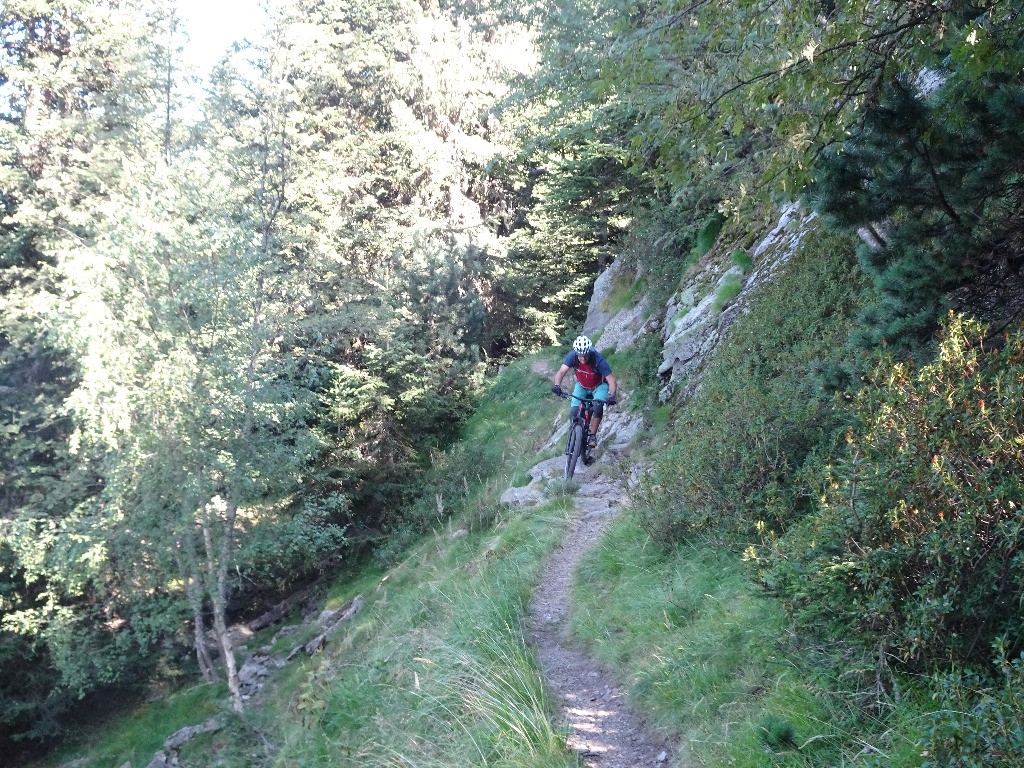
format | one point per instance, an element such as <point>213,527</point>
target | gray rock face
<point>778,245</point>
<point>619,330</point>
<point>597,317</point>
<point>693,328</point>
<point>331,626</point>
<point>525,496</point>
<point>622,331</point>
<point>619,428</point>
<point>553,469</point>
<point>560,433</point>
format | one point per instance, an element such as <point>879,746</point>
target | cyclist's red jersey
<point>587,376</point>
<point>591,371</point>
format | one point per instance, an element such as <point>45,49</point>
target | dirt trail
<point>603,729</point>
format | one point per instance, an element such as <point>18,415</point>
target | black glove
<point>557,389</point>
<point>611,399</point>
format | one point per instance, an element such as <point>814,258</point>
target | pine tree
<point>937,180</point>
<point>79,95</point>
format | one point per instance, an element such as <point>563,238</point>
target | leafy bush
<point>743,439</point>
<point>981,722</point>
<point>919,539</point>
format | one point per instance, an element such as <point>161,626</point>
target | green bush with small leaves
<point>743,439</point>
<point>919,538</point>
<point>981,722</point>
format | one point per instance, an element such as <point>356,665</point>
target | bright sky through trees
<point>213,25</point>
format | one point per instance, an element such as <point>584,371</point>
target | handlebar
<point>591,399</point>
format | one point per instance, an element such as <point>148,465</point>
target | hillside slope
<point>447,651</point>
<point>433,649</point>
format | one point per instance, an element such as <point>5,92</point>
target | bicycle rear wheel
<point>574,447</point>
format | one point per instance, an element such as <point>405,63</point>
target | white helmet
<point>582,345</point>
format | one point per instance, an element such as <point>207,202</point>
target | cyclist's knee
<point>599,410</point>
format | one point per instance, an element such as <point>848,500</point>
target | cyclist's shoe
<point>592,442</point>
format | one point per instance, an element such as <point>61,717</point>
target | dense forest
<point>238,327</point>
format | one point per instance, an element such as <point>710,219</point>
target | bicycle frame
<point>577,444</point>
<point>586,412</point>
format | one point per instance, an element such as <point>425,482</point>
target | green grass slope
<point>435,669</point>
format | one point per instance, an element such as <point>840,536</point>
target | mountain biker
<point>593,377</point>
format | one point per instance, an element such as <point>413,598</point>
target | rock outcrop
<point>695,321</point>
<point>616,329</point>
<point>694,326</point>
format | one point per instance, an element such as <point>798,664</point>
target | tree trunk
<point>206,665</point>
<point>193,592</point>
<point>217,560</point>
<point>220,629</point>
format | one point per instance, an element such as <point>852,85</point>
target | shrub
<point>742,440</point>
<point>919,540</point>
<point>981,721</point>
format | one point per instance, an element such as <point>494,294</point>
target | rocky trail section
<point>603,729</point>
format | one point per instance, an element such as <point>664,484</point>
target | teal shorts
<point>600,392</point>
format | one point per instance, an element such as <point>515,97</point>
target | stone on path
<point>524,496</point>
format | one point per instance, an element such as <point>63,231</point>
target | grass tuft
<point>707,234</point>
<point>742,260</point>
<point>507,694</point>
<point>727,291</point>
<point>777,733</point>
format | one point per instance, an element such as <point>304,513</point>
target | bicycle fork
<point>585,448</point>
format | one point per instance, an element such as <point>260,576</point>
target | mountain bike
<point>577,445</point>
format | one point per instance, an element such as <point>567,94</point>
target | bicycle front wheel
<point>575,446</point>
